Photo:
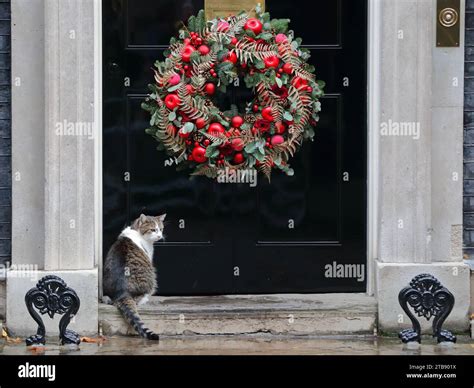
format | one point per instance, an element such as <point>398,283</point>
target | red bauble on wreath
<point>206,58</point>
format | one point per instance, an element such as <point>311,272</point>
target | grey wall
<point>5,131</point>
<point>28,144</point>
<point>469,133</point>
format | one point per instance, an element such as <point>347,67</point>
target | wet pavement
<point>247,345</point>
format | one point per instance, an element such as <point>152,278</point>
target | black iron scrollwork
<point>52,296</point>
<point>428,298</point>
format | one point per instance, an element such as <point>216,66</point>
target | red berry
<point>234,40</point>
<point>204,50</point>
<point>216,129</point>
<point>280,127</point>
<point>190,89</point>
<point>255,108</point>
<point>199,154</point>
<point>239,158</point>
<point>255,25</point>
<point>174,80</point>
<point>271,62</point>
<point>172,101</point>
<point>281,38</point>
<point>237,121</point>
<point>200,123</point>
<point>223,26</point>
<point>207,142</point>
<point>232,57</point>
<point>287,68</point>
<point>309,89</point>
<point>196,144</point>
<point>237,144</point>
<point>186,54</point>
<point>210,88</point>
<point>277,139</point>
<point>267,114</point>
<point>299,82</point>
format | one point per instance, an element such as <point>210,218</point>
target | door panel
<point>228,238</point>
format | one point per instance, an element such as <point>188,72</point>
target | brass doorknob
<point>448,17</point>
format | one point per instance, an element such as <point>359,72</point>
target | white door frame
<point>373,117</point>
<point>373,105</point>
<point>98,200</point>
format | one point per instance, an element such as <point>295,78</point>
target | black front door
<point>300,234</point>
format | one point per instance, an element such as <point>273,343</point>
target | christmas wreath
<point>206,58</point>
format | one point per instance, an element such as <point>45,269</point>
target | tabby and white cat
<point>129,274</point>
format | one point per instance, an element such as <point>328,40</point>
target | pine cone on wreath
<point>199,137</point>
<point>250,118</point>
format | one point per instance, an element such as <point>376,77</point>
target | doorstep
<point>289,314</point>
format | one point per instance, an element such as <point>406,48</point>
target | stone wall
<point>420,172</point>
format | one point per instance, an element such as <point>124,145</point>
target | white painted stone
<point>392,277</point>
<point>28,132</point>
<point>69,98</point>
<point>447,183</point>
<point>54,204</point>
<point>405,163</point>
<point>84,282</point>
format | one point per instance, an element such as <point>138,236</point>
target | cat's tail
<point>128,308</point>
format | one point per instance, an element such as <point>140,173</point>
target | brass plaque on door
<point>224,8</point>
<point>448,23</point>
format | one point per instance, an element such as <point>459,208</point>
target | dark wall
<point>5,132</point>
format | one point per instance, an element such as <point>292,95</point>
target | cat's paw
<point>148,334</point>
<point>153,337</point>
<point>107,300</point>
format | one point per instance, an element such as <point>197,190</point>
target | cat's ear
<point>162,217</point>
<point>139,221</point>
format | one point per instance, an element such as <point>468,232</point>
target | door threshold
<point>279,314</point>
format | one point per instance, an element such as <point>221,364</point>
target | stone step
<point>288,314</point>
